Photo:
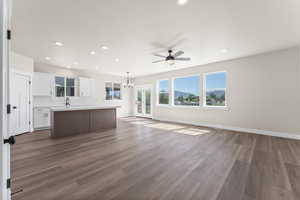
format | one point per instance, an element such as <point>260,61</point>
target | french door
<point>143,99</point>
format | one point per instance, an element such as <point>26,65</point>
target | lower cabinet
<point>41,118</point>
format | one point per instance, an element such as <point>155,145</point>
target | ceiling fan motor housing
<point>170,57</point>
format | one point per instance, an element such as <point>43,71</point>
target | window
<point>59,86</point>
<point>186,91</point>
<point>215,89</point>
<point>65,86</point>
<point>109,91</point>
<point>113,91</point>
<point>70,87</point>
<point>117,91</point>
<point>163,95</point>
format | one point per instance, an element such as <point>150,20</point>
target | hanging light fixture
<point>129,83</point>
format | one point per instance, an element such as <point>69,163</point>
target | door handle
<point>14,107</point>
<point>11,140</point>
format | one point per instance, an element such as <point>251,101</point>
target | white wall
<point>263,93</point>
<point>21,63</point>
<point>100,79</point>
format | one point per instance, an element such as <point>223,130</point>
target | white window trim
<point>76,87</point>
<point>65,86</point>
<point>158,93</point>
<point>172,92</point>
<point>112,87</point>
<point>202,95</point>
<point>204,91</point>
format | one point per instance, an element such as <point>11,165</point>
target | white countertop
<point>72,108</point>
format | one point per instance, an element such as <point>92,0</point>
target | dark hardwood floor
<point>144,159</point>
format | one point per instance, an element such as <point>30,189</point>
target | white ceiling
<point>133,29</point>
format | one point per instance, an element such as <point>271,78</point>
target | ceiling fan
<point>171,58</point>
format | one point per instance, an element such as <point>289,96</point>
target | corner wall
<point>263,94</point>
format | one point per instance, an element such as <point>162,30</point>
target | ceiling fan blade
<point>158,61</point>
<point>178,53</point>
<point>159,45</point>
<point>183,59</point>
<point>155,54</point>
<point>176,44</point>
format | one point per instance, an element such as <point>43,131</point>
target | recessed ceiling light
<point>92,52</point>
<point>47,58</point>
<point>117,60</point>
<point>104,47</point>
<point>59,44</point>
<point>182,2</point>
<point>75,63</point>
<point>97,67</point>
<point>224,50</point>
<point>68,66</point>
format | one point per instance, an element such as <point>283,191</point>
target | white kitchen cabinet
<point>86,87</point>
<point>41,118</point>
<point>42,84</point>
<point>92,87</point>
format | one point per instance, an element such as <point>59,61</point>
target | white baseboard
<point>246,130</point>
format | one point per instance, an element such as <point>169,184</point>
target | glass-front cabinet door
<point>143,101</point>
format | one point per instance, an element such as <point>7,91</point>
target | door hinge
<point>29,122</point>
<point>29,82</point>
<point>9,34</point>
<point>8,108</point>
<point>8,183</point>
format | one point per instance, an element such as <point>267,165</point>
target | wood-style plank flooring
<point>144,159</point>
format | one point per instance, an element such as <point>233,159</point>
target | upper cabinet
<point>42,84</point>
<point>86,87</point>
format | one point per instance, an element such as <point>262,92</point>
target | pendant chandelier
<point>129,83</point>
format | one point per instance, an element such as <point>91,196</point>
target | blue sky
<point>192,84</point>
<point>163,85</point>
<point>216,81</point>
<point>188,84</point>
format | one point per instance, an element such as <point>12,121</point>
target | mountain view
<point>184,98</point>
<point>215,97</point>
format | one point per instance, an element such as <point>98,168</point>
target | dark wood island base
<point>69,122</point>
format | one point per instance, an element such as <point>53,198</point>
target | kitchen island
<point>68,121</point>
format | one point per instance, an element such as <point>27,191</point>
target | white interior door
<point>143,101</point>
<point>20,104</point>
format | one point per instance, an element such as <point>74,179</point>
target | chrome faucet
<point>68,102</point>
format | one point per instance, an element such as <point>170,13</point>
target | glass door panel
<point>140,101</point>
<point>143,101</point>
<point>148,101</point>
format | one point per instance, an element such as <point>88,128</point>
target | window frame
<point>173,88</point>
<point>204,90</point>
<point>158,92</point>
<point>113,90</point>
<point>75,86</point>
<point>113,95</point>
<point>65,86</point>
<point>55,89</point>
